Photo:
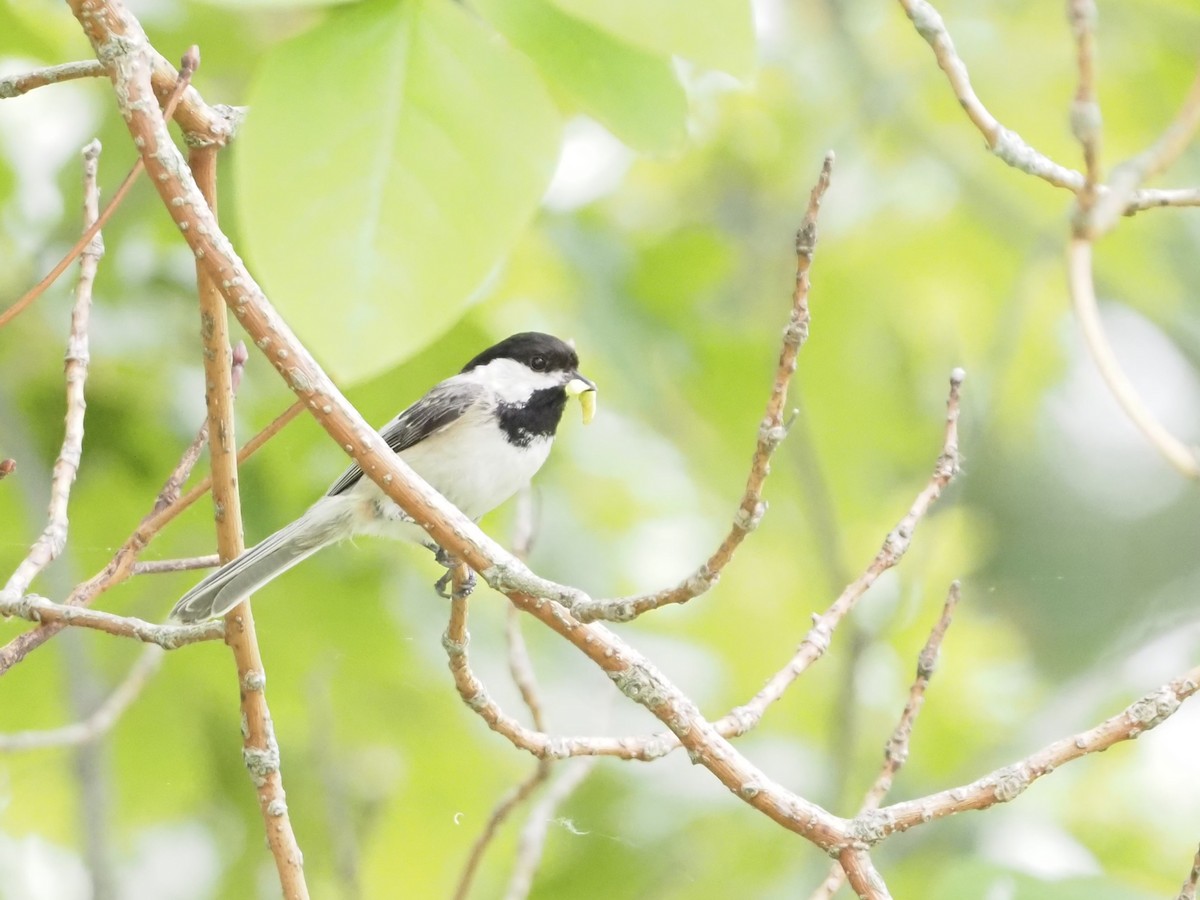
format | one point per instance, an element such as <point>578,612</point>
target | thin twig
<point>53,538</point>
<point>1006,784</point>
<point>56,616</point>
<point>202,124</point>
<point>472,691</point>
<point>1005,143</point>
<point>1011,148</point>
<point>96,222</point>
<point>743,718</point>
<point>101,721</point>
<point>538,743</point>
<point>475,695</point>
<point>1085,108</point>
<point>816,642</point>
<point>1132,173</point>
<point>16,85</point>
<point>1154,198</point>
<point>515,796</point>
<point>1188,890</point>
<point>455,641</point>
<point>521,668</point>
<point>532,842</point>
<point>1185,459</point>
<point>159,566</point>
<point>771,432</point>
<point>166,507</point>
<point>259,750</point>
<point>187,462</point>
<point>896,750</point>
<point>252,446</point>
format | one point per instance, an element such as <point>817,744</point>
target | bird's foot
<point>445,585</point>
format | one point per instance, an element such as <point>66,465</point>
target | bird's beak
<point>585,390</point>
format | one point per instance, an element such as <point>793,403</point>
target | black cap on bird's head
<point>541,352</point>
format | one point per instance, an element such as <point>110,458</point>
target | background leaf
<point>436,145</point>
<point>635,93</point>
<point>717,34</point>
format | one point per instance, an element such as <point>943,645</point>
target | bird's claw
<point>445,585</point>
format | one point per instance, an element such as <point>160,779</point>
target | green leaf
<point>718,34</point>
<point>391,158</point>
<point>634,93</point>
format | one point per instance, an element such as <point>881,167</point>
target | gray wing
<point>437,410</point>
<point>240,577</point>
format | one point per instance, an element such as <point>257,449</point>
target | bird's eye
<point>538,364</point>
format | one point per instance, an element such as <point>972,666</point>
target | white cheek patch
<point>513,382</point>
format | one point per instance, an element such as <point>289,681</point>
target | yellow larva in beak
<point>586,392</point>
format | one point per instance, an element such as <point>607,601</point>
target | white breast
<point>471,464</point>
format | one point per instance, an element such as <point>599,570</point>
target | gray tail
<point>229,585</point>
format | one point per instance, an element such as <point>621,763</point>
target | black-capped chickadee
<point>476,438</point>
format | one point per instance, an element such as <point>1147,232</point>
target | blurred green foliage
<point>1076,544</point>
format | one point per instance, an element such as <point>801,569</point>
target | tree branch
<point>895,752</point>
<point>816,642</point>
<point>1185,459</point>
<point>170,504</point>
<point>771,432</point>
<point>1129,175</point>
<point>1008,783</point>
<point>521,668</point>
<point>56,616</point>
<point>54,537</point>
<point>121,566</point>
<point>1153,198</point>
<point>517,795</point>
<point>1005,143</point>
<point>1085,109</point>
<point>862,874</point>
<point>201,124</point>
<point>260,750</point>
<point>16,85</point>
<point>158,566</point>
<point>96,222</point>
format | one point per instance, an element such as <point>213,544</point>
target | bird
<point>477,438</point>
